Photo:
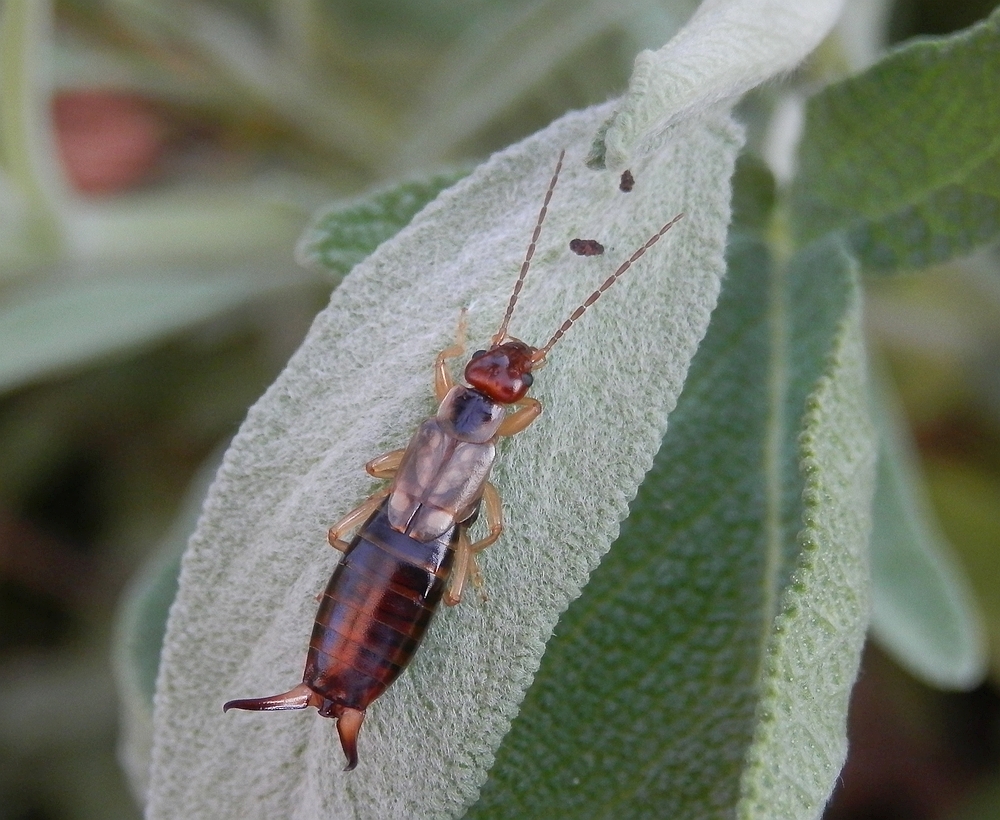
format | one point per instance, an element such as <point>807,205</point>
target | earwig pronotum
<point>411,547</point>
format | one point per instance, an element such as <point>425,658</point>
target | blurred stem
<point>26,150</point>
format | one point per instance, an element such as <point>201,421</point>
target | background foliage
<point>158,166</point>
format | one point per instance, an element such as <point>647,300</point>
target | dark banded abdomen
<point>374,612</point>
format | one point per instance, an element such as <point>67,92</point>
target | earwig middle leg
<point>493,513</point>
<point>385,466</point>
<point>355,518</point>
<point>443,381</point>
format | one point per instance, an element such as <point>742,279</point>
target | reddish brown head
<point>503,373</point>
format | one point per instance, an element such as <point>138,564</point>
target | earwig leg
<point>477,578</point>
<point>493,512</point>
<point>443,381</point>
<point>465,565</point>
<point>385,465</point>
<point>529,410</point>
<point>353,519</point>
<point>459,570</point>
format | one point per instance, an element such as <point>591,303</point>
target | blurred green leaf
<point>29,172</point>
<point>343,235</point>
<point>905,158</point>
<point>754,196</point>
<point>924,613</point>
<point>965,498</point>
<point>509,53</point>
<point>660,683</point>
<point>48,328</point>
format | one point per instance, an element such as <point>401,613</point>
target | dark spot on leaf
<point>586,247</point>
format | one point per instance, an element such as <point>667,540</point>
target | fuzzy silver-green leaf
<point>358,387</point>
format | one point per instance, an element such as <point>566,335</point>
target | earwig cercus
<point>411,546</point>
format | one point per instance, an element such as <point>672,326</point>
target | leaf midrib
<point>777,318</point>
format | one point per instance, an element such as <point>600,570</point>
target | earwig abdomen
<point>371,619</point>
<point>375,611</point>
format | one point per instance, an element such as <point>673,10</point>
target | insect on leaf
<point>358,386</point>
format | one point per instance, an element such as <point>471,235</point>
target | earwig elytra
<point>412,546</point>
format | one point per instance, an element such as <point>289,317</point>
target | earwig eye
<point>527,379</point>
<point>477,355</point>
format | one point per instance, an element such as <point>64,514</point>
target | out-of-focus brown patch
<point>109,141</point>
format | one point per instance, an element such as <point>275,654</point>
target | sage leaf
<point>341,236</point>
<point>724,50</point>
<point>905,157</point>
<point>357,387</point>
<point>656,697</point>
<point>814,646</point>
<point>925,614</point>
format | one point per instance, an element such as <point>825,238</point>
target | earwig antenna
<point>539,355</point>
<point>502,332</point>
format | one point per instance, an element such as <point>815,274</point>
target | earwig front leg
<point>528,410</point>
<point>355,518</point>
<point>443,381</point>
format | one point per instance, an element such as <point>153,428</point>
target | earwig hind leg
<point>459,570</point>
<point>353,519</point>
<point>443,381</point>
<point>477,579</point>
<point>529,409</point>
<point>385,465</point>
<point>466,565</point>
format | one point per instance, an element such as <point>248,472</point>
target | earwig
<point>412,547</point>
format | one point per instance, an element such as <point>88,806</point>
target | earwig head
<point>503,372</point>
